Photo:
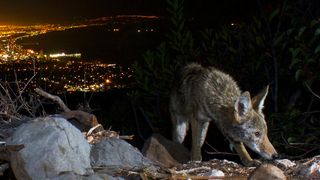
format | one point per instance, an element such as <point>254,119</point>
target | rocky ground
<point>223,169</point>
<point>52,148</point>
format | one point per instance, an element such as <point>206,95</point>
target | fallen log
<point>54,98</point>
<point>84,120</point>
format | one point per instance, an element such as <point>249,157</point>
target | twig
<point>217,152</point>
<point>93,128</point>
<point>136,121</point>
<point>23,103</point>
<point>304,154</point>
<point>25,86</point>
<point>146,118</point>
<point>311,112</point>
<point>305,144</point>
<point>129,137</point>
<point>292,146</point>
<point>312,92</point>
<point>223,153</point>
<point>54,98</point>
<point>11,116</point>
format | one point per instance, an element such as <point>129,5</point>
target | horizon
<point>58,11</point>
<point>54,12</point>
<point>84,21</point>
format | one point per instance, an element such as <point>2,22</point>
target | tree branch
<point>54,98</point>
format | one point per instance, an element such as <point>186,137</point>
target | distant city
<point>65,75</point>
<point>62,72</point>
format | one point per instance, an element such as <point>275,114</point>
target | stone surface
<point>165,152</point>
<point>267,172</point>
<point>214,173</point>
<point>101,176</point>
<point>95,176</point>
<point>113,154</point>
<point>286,163</point>
<point>310,169</point>
<point>53,146</point>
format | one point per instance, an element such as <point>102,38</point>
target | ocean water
<point>99,42</point>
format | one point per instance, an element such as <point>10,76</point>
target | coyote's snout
<point>202,95</point>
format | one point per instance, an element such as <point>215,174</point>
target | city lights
<point>10,50</point>
<point>61,55</point>
<point>59,71</point>
<point>69,76</point>
<point>64,71</point>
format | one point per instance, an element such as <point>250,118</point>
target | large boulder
<point>113,154</point>
<point>165,152</point>
<point>53,147</point>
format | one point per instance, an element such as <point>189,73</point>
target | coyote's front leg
<point>244,155</point>
<point>199,131</point>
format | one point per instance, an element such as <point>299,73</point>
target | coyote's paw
<point>252,163</point>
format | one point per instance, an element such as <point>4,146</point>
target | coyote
<point>202,95</point>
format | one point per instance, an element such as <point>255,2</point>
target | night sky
<point>60,11</point>
<point>38,11</point>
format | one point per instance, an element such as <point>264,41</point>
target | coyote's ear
<point>243,105</point>
<point>258,100</point>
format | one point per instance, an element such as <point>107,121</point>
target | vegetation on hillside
<point>280,47</point>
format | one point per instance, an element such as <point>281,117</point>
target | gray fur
<point>202,95</point>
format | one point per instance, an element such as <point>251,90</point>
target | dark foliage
<point>278,47</point>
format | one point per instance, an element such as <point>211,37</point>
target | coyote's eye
<point>257,134</point>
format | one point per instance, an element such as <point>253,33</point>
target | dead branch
<point>6,150</point>
<point>84,120</point>
<point>54,98</point>
<point>11,148</point>
<point>23,104</point>
<point>82,117</point>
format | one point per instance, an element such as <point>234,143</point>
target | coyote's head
<point>250,126</point>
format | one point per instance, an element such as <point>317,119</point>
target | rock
<point>224,161</point>
<point>95,176</point>
<point>113,154</point>
<point>267,172</point>
<point>53,147</point>
<point>165,152</point>
<point>310,169</point>
<point>101,176</point>
<point>66,176</point>
<point>285,163</point>
<point>214,173</point>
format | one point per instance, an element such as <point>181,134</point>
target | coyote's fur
<point>202,95</point>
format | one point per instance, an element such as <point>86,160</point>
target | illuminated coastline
<point>62,72</point>
<point>66,75</point>
<point>10,34</point>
